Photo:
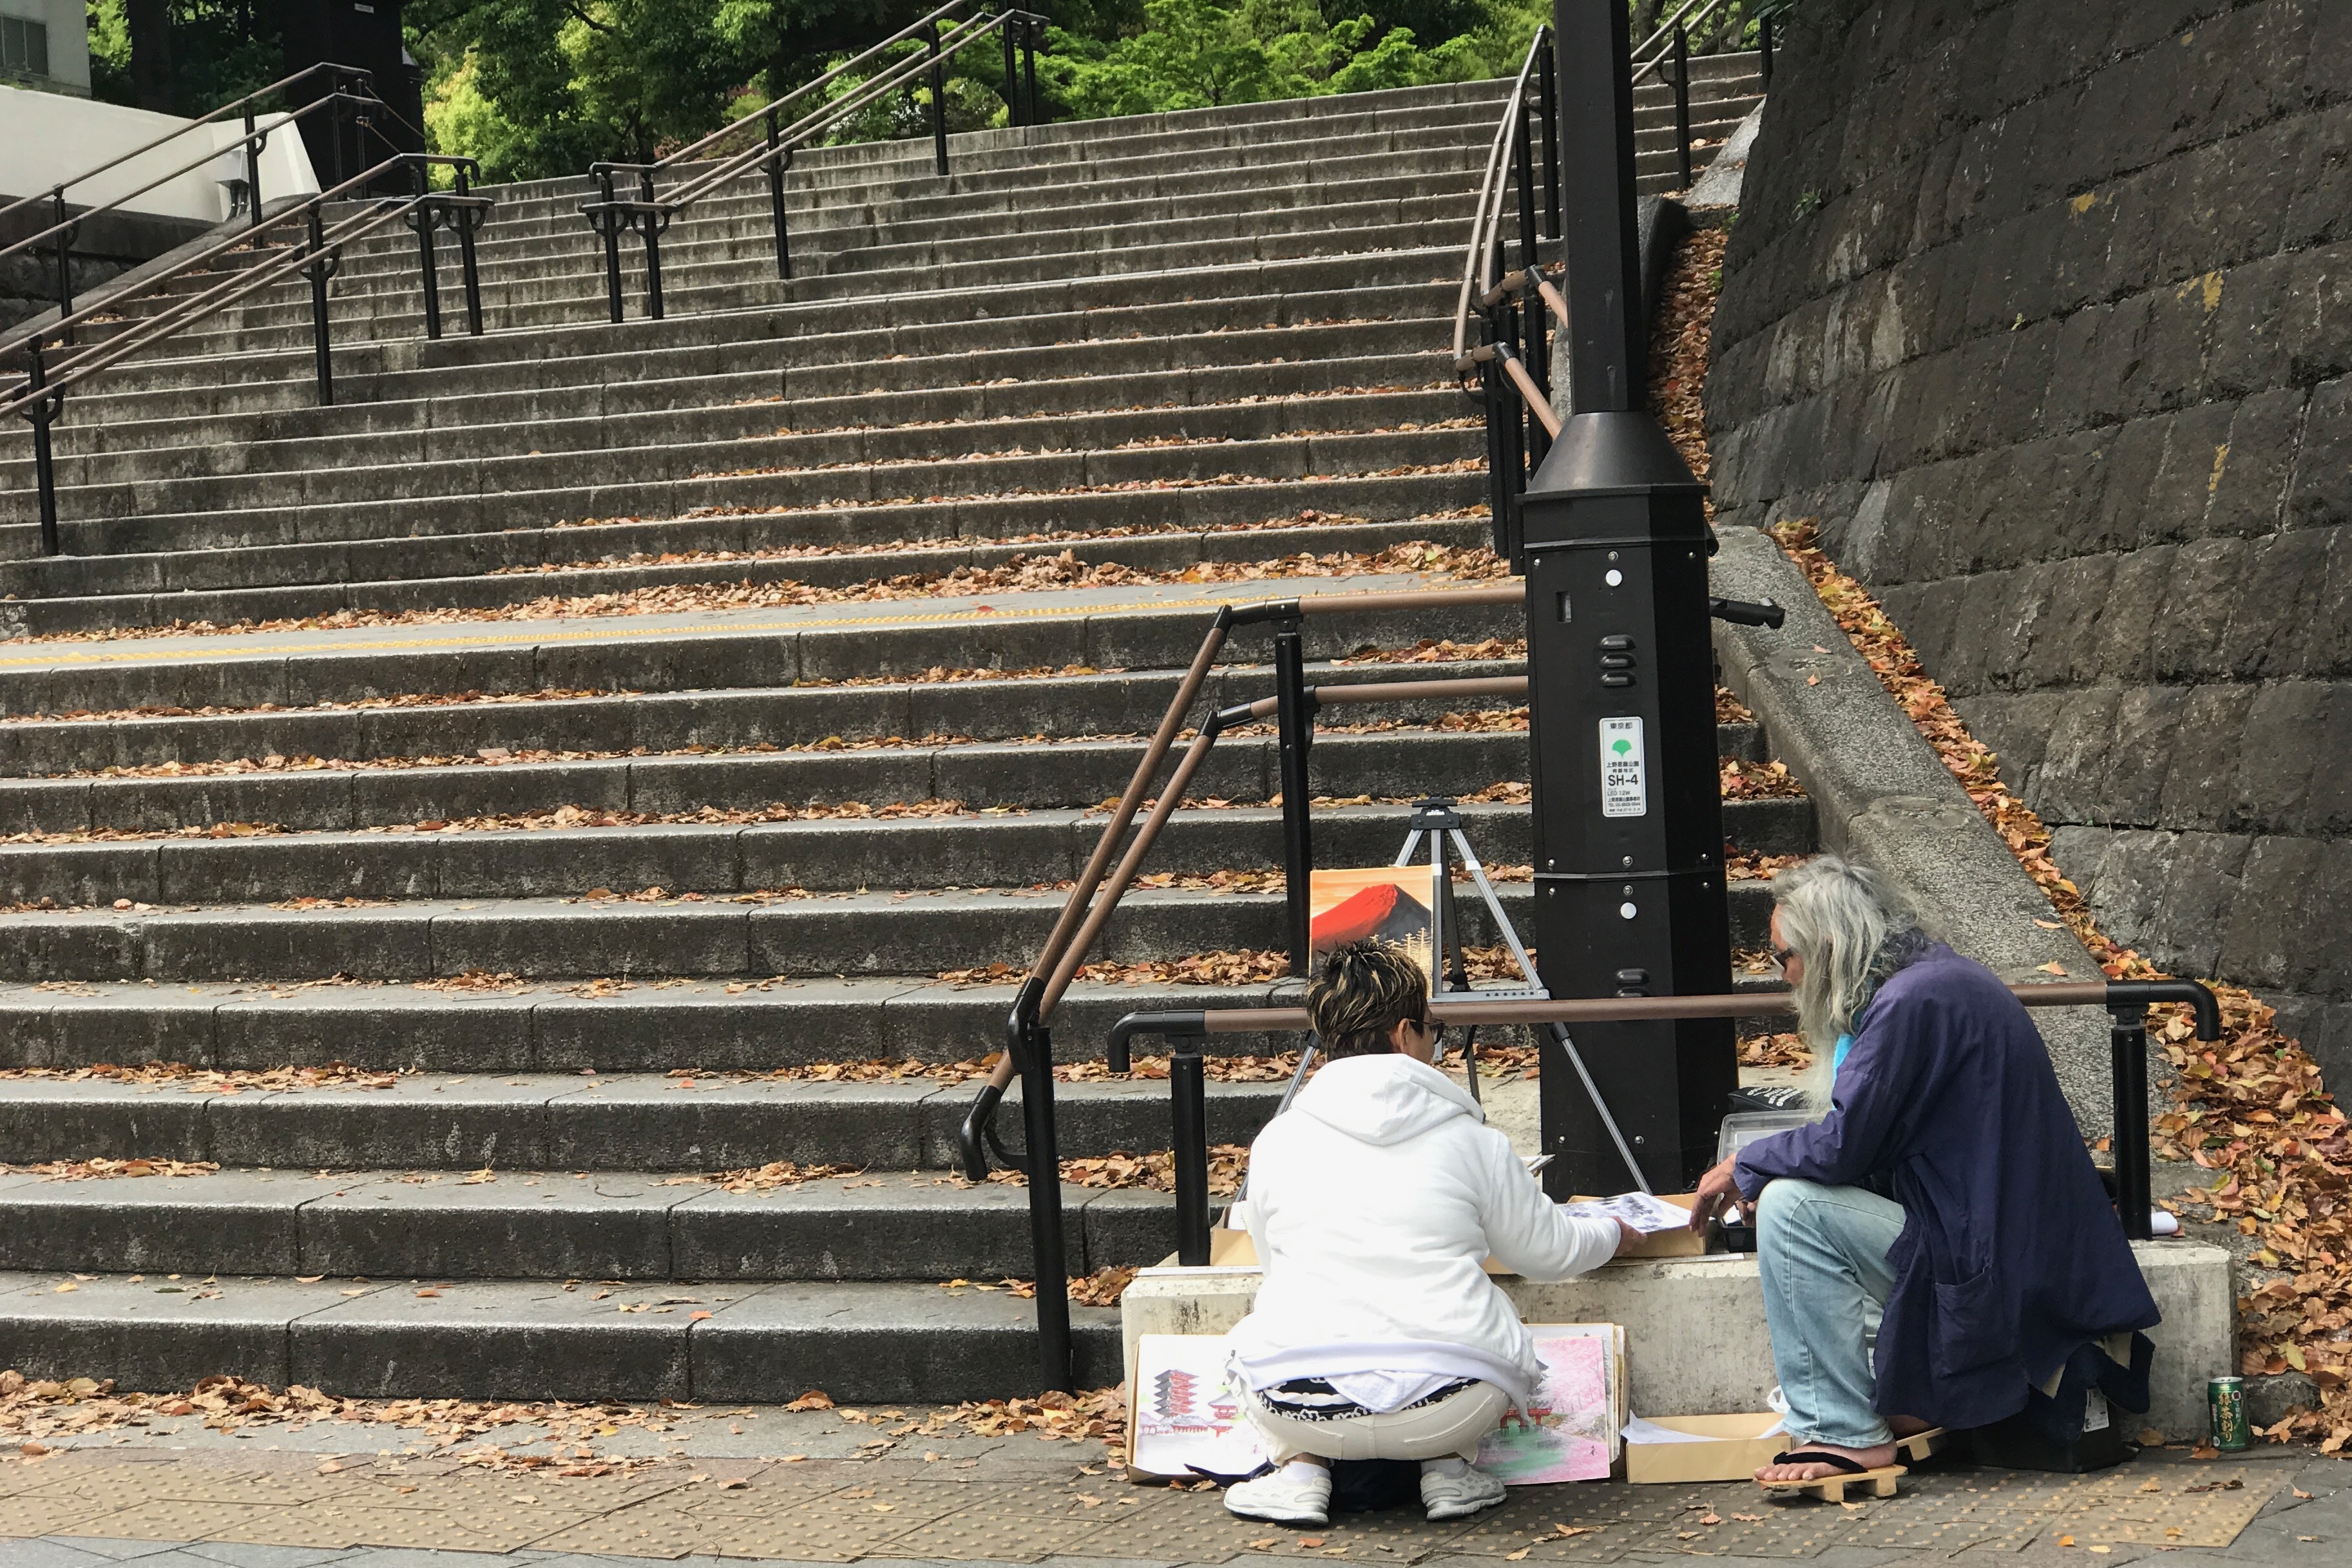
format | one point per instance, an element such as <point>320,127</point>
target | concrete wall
<point>47,139</point>
<point>2045,311</point>
<point>67,22</point>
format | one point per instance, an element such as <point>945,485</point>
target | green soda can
<point>2225,1397</point>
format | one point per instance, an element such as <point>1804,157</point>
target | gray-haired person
<point>1947,1190</point>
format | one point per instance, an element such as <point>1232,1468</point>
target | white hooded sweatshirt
<point>1372,1204</point>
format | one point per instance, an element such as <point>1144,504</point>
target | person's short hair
<point>1360,993</point>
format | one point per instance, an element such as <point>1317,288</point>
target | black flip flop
<point>1837,1462</point>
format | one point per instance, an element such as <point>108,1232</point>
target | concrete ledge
<point>1883,798</point>
<point>1695,1326</point>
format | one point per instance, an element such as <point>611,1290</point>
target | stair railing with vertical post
<point>346,86</point>
<point>54,363</point>
<point>939,38</point>
<point>1510,374</point>
<point>2126,1001</point>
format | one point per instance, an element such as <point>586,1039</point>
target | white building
<point>44,44</point>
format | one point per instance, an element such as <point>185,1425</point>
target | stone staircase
<point>490,932</point>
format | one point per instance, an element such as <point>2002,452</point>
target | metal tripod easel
<point>1436,820</point>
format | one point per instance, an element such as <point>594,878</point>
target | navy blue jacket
<point>2011,1256</point>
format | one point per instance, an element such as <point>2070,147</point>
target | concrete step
<point>748,717</point>
<point>914,325</point>
<point>377,390</point>
<point>475,497</point>
<point>604,1225</point>
<point>1099,628</point>
<point>838,933</point>
<point>1044,844</point>
<point>611,1122</point>
<point>525,455</point>
<point>1087,377</point>
<point>497,1338</point>
<point>1128,275</point>
<point>516,581</point>
<point>520,1026</point>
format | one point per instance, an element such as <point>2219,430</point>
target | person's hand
<point>1627,1237</point>
<point>1715,1190</point>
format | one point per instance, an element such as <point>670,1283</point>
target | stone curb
<point>1883,798</point>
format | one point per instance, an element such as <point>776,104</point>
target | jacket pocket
<point>1972,1326</point>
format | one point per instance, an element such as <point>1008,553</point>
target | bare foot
<point>1868,1459</point>
<point>1910,1425</point>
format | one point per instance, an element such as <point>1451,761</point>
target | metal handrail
<point>40,397</point>
<point>170,136</point>
<point>2126,1003</point>
<point>648,213</point>
<point>910,30</point>
<point>1642,68</point>
<point>1487,217</point>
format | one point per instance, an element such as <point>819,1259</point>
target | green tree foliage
<point>1193,53</point>
<point>537,87</point>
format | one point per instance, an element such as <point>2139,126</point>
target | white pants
<point>1455,1425</point>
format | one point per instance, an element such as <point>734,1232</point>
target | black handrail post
<point>1294,737</point>
<point>252,170</point>
<point>939,104</point>
<point>1032,1055</point>
<point>1531,307</point>
<point>322,267</point>
<point>776,200</point>
<point>609,224</point>
<point>64,261</point>
<point>2128,1036</point>
<point>45,468</point>
<point>1012,68</point>
<point>1682,101</point>
<point>1029,64</point>
<point>466,218</point>
<point>1547,89</point>
<point>428,277</point>
<point>650,226</point>
<point>1493,390</point>
<point>1188,1106</point>
<point>1764,42</point>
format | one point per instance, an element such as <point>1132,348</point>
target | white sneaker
<point>1280,1497</point>
<point>1457,1493</point>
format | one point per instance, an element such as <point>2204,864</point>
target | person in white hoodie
<point>1373,1203</point>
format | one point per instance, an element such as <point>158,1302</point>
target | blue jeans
<point>1822,1253</point>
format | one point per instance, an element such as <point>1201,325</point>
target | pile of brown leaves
<point>1775,1051</point>
<point>1099,1413</point>
<point>1679,340</point>
<point>1430,650</point>
<point>103,1170</point>
<point>33,1409</point>
<point>773,1176</point>
<point>1758,781</point>
<point>1156,1172</point>
<point>215,1080</point>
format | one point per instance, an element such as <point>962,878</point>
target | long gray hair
<point>1852,931</point>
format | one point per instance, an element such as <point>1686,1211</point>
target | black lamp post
<point>1630,895</point>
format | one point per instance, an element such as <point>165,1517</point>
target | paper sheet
<point>1572,1420</point>
<point>1646,1214</point>
<point>1185,1414</point>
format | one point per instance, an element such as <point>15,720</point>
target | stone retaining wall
<point>2045,311</point>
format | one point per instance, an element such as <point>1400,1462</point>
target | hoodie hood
<point>1384,1099</point>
